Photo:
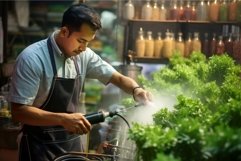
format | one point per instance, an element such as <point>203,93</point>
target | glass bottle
<point>188,45</point>
<point>163,12</point>
<point>213,44</point>
<point>238,11</point>
<point>167,46</point>
<point>205,45</point>
<point>158,44</point>
<point>149,45</point>
<point>208,9</point>
<point>194,12</point>
<point>146,12</point>
<point>1,40</point>
<point>229,45</point>
<point>180,44</point>
<point>181,11</point>
<point>196,43</point>
<point>140,44</point>
<point>155,11</point>
<point>232,10</point>
<point>237,49</point>
<point>202,11</point>
<point>223,11</point>
<point>129,10</point>
<point>220,48</point>
<point>214,11</point>
<point>187,11</point>
<point>174,11</point>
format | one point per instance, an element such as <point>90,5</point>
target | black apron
<point>44,143</point>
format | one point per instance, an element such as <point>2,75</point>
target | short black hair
<point>78,14</point>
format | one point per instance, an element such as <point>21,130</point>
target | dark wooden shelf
<point>151,60</point>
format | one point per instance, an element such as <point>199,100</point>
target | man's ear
<point>64,31</point>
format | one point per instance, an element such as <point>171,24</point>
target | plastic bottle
<point>202,11</point>
<point>140,44</point>
<point>196,43</point>
<point>167,46</point>
<point>188,45</point>
<point>158,45</point>
<point>220,48</point>
<point>146,12</point>
<point>223,11</point>
<point>149,45</point>
<point>180,44</point>
<point>163,12</point>
<point>129,10</point>
<point>232,10</point>
<point>213,44</point>
<point>1,40</point>
<point>155,11</point>
<point>214,11</point>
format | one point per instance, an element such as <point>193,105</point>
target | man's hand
<point>142,96</point>
<point>76,123</point>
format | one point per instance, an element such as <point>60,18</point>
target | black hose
<point>124,120</point>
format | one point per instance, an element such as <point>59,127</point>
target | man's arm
<point>129,86</point>
<point>29,115</point>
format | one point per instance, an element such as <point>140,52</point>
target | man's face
<point>76,42</point>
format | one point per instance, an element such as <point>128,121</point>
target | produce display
<point>204,124</point>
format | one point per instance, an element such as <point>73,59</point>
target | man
<point>47,81</point>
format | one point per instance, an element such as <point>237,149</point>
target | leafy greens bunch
<point>204,124</point>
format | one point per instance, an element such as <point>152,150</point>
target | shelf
<point>150,60</point>
<point>184,21</point>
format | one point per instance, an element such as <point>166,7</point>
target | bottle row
<point>147,46</point>
<point>198,10</point>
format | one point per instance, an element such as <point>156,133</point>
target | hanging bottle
<point>146,12</point>
<point>220,48</point>
<point>188,45</point>
<point>205,45</point>
<point>180,44</point>
<point>223,11</point>
<point>213,44</point>
<point>202,11</point>
<point>158,45</point>
<point>1,40</point>
<point>140,44</point>
<point>163,11</point>
<point>149,45</point>
<point>155,11</point>
<point>129,10</point>
<point>214,11</point>
<point>232,10</point>
<point>196,43</point>
<point>229,45</point>
<point>167,46</point>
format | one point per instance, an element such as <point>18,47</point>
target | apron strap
<point>52,56</point>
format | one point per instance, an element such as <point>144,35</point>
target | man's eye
<point>81,41</point>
